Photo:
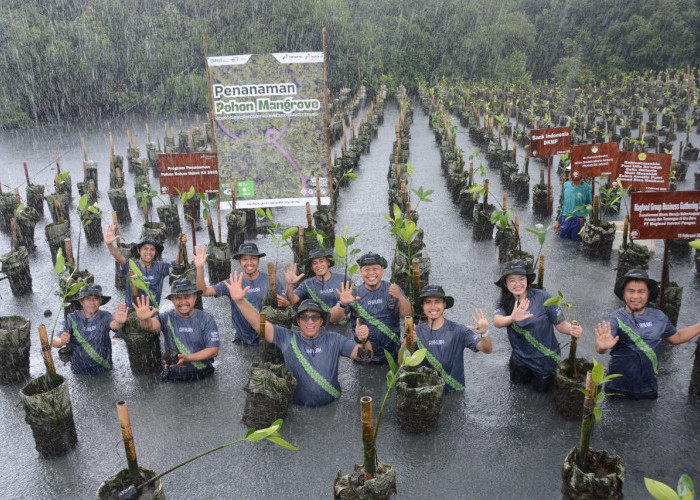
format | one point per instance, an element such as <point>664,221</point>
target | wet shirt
<point>541,327</point>
<point>627,359</point>
<point>197,332</point>
<point>95,331</point>
<point>255,295</point>
<point>573,196</point>
<point>153,276</point>
<point>324,290</point>
<point>322,353</point>
<point>447,345</point>
<point>374,302</point>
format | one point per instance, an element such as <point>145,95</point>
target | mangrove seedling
<point>344,252</point>
<point>145,198</point>
<point>541,232</point>
<point>661,491</point>
<point>283,240</point>
<point>559,301</point>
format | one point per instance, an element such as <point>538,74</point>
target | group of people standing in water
<point>374,308</point>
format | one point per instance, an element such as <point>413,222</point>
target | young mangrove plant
<point>344,252</point>
<point>661,491</point>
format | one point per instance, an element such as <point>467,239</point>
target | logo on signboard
<point>246,188</point>
<point>642,156</point>
<point>634,234</point>
<point>594,149</point>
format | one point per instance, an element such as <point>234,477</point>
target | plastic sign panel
<point>180,171</point>
<point>270,129</point>
<point>594,160</point>
<point>644,171</point>
<point>550,141</point>
<point>665,215</point>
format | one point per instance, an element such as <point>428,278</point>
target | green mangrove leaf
<point>416,358</point>
<point>277,439</point>
<point>339,248</point>
<point>597,372</point>
<point>659,490</point>
<point>289,232</point>
<point>60,262</point>
<point>390,360</point>
<point>695,244</point>
<point>135,269</point>
<point>598,414</point>
<point>260,212</point>
<point>75,288</point>
<point>686,489</point>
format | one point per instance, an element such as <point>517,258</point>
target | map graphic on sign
<point>269,121</point>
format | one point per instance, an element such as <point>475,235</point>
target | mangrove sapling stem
<point>46,352</point>
<point>573,369</point>
<point>540,273</point>
<point>369,451</point>
<point>263,318</point>
<point>210,229</point>
<point>128,437</point>
<point>233,197</point>
<point>587,422</point>
<point>625,231</point>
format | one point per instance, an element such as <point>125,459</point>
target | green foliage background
<point>63,59</point>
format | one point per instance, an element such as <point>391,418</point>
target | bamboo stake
<point>69,252</point>
<point>17,197</point>
<point>369,451</point>
<point>415,265</point>
<point>148,134</point>
<point>218,215</point>
<point>210,229</point>
<point>318,192</point>
<point>587,423</point>
<point>273,280</point>
<point>505,202</point>
<point>309,219</point>
<point>194,233</point>
<point>540,273</point>
<point>26,174</point>
<point>58,165</point>
<point>15,241</point>
<point>410,333</point>
<point>233,197</point>
<point>128,437</point>
<point>46,352</point>
<point>57,207</point>
<point>301,243</point>
<point>262,343</point>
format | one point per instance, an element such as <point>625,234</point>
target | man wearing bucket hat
<point>310,355</point>
<point>530,325</point>
<point>446,340</point>
<point>633,335</point>
<point>378,304</point>
<point>86,332</point>
<point>144,254</point>
<point>321,287</point>
<point>192,332</point>
<point>570,219</point>
<point>248,256</point>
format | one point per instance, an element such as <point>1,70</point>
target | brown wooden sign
<point>643,171</point>
<point>550,141</point>
<point>667,215</point>
<point>594,160</point>
<point>180,171</point>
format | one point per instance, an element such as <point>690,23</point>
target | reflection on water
<point>493,441</point>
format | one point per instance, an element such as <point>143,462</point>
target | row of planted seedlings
<point>344,107</point>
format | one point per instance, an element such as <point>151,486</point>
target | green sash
<point>89,349</point>
<point>536,343</point>
<point>181,347</point>
<point>439,368</point>
<point>639,342</point>
<point>315,297</point>
<point>317,377</point>
<point>362,312</point>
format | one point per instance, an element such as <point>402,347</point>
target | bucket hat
<point>248,249</point>
<point>136,248</point>
<point>182,286</point>
<point>317,253</point>
<point>514,267</point>
<point>311,305</point>
<point>370,259</point>
<point>433,291</point>
<point>92,291</point>
<point>637,274</point>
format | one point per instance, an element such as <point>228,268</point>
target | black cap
<point>370,259</point>
<point>434,291</point>
<point>311,305</point>
<point>640,275</point>
<point>182,286</point>
<point>515,267</point>
<point>317,253</point>
<point>91,290</point>
<point>136,249</point>
<point>248,249</point>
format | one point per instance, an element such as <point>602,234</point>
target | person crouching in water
<point>530,325</point>
<point>312,357</point>
<point>193,333</point>
<point>633,336</point>
<point>446,340</point>
<point>86,332</point>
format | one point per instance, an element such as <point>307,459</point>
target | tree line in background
<point>68,59</point>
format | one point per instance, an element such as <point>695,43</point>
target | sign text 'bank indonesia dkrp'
<point>269,120</point>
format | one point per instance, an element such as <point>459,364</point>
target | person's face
<point>433,307</point>
<point>372,275</point>
<point>90,305</point>
<point>184,304</point>
<point>636,295</point>
<point>310,323</point>
<point>516,284</point>
<point>147,253</point>
<point>320,266</point>
<point>249,264</point>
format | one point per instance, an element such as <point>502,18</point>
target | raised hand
<point>290,274</point>
<point>603,337</point>
<point>235,286</point>
<point>520,310</point>
<point>200,255</point>
<point>108,235</point>
<point>345,294</point>
<point>143,309</point>
<point>120,314</point>
<point>481,320</point>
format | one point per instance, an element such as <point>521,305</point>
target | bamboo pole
<point>273,280</point>
<point>369,451</point>
<point>318,192</point>
<point>58,164</point>
<point>26,174</point>
<point>15,241</point>
<point>415,265</point>
<point>262,343</point>
<point>57,207</point>
<point>69,251</point>
<point>587,422</point>
<point>128,437</point>
<point>540,273</point>
<point>301,243</point>
<point>46,351</point>
<point>410,333</point>
<point>309,219</point>
<point>233,197</point>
